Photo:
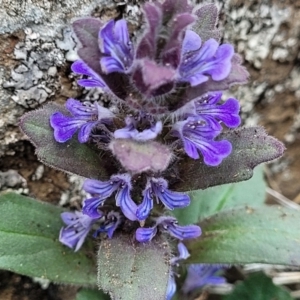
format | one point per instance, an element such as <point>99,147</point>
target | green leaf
<point>259,287</point>
<point>29,244</point>
<point>251,147</point>
<point>71,156</point>
<point>88,294</point>
<point>134,271</point>
<point>249,235</point>
<point>205,203</point>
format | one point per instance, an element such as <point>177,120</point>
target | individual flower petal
<point>91,205</point>
<point>191,42</point>
<point>199,275</point>
<point>183,251</point>
<point>171,287</point>
<point>127,205</point>
<point>144,235</point>
<point>145,207</point>
<point>80,67</point>
<point>177,231</point>
<point>197,136</point>
<point>103,190</point>
<point>209,110</point>
<point>78,227</point>
<point>116,46</point>
<point>183,254</point>
<point>214,152</point>
<point>209,60</point>
<point>169,198</point>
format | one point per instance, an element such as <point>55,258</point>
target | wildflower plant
<point>145,165</point>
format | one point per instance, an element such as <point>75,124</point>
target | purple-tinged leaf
<point>250,147</point>
<point>71,156</point>
<point>138,157</point>
<point>237,75</point>
<point>245,235</point>
<point>147,44</point>
<point>152,79</point>
<point>172,51</point>
<point>132,270</point>
<point>174,7</point>
<point>87,30</point>
<point>206,25</point>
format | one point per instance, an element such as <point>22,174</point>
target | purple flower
<point>170,225</point>
<point>198,62</point>
<point>104,189</point>
<point>111,223</point>
<point>95,80</point>
<point>84,117</point>
<point>158,188</point>
<point>150,128</point>
<point>198,136</point>
<point>180,232</point>
<point>199,275</point>
<point>116,47</point>
<point>171,287</point>
<point>208,108</point>
<point>144,235</point>
<point>78,226</point>
<point>183,254</point>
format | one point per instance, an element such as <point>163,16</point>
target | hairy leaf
<point>130,271</point>
<point>147,44</point>
<point>249,235</point>
<point>251,147</point>
<point>173,7</point>
<point>205,203</point>
<point>151,78</point>
<point>171,53</point>
<point>71,156</point>
<point>88,294</point>
<point>87,30</point>
<point>138,157</point>
<point>259,287</point>
<point>206,24</point>
<point>29,243</point>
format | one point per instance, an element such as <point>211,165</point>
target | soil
<point>277,116</point>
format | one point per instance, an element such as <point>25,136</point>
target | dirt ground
<point>277,108</point>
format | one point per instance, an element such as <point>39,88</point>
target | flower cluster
<point>167,86</point>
